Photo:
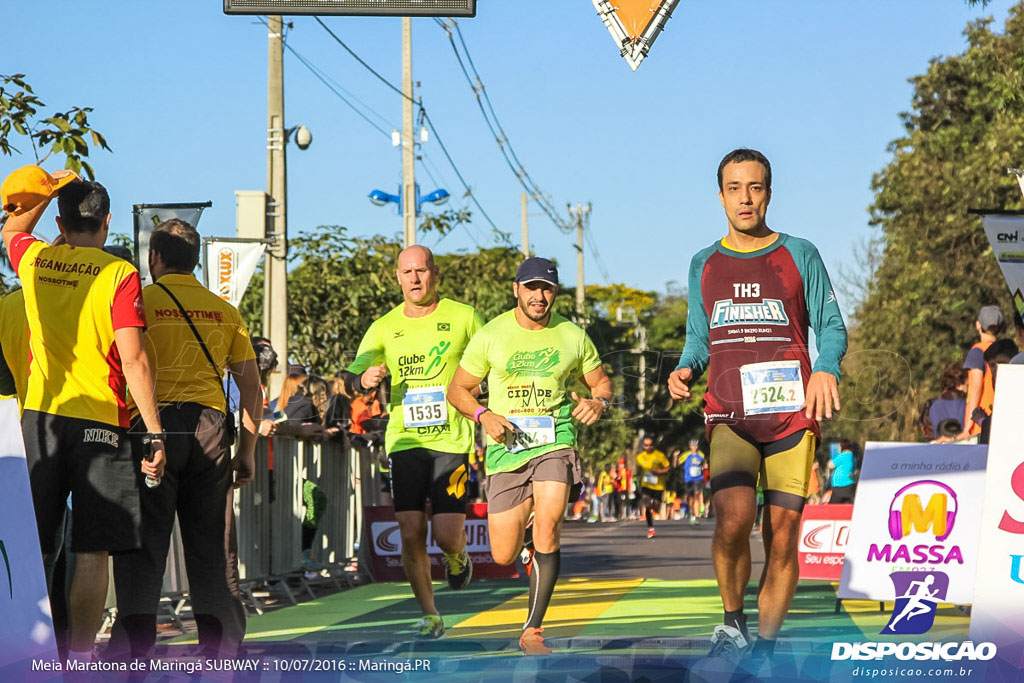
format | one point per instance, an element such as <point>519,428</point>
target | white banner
<point>998,612</point>
<point>1006,235</point>
<point>229,267</point>
<point>26,631</point>
<point>148,216</point>
<point>918,508</point>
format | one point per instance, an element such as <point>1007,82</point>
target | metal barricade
<point>252,515</point>
<point>269,511</point>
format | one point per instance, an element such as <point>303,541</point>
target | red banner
<point>381,532</point>
<point>824,531</point>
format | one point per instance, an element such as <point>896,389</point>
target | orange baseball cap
<point>28,186</point>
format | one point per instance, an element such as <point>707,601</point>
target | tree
<point>936,268</point>
<point>338,285</point>
<point>67,133</point>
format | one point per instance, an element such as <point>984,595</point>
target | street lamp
<point>382,198</point>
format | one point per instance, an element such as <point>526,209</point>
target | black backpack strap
<point>202,344</point>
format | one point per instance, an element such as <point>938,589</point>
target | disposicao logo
<point>922,508</point>
<point>917,594</point>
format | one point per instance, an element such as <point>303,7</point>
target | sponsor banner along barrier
<point>386,546</point>
<point>824,532</point>
<point>998,603</point>
<point>918,508</point>
<point>26,631</point>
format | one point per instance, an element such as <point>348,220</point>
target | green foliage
<point>937,269</point>
<point>338,285</point>
<point>66,133</point>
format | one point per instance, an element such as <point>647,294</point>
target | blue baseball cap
<point>536,268</point>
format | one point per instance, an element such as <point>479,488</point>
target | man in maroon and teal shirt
<point>753,296</point>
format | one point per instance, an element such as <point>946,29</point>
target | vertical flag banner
<point>634,24</point>
<point>148,216</point>
<point>918,508</point>
<point>997,615</point>
<point>26,631</point>
<point>1005,233</point>
<point>230,264</point>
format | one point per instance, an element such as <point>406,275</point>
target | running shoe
<point>458,569</point>
<point>526,557</point>
<point>758,665</point>
<point>650,533</point>
<point>430,626</point>
<point>728,646</point>
<point>532,643</point>
<point>728,643</point>
<point>309,564</point>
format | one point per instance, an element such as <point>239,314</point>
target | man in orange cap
<point>86,321</point>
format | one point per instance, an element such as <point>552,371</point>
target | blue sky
<point>179,90</point>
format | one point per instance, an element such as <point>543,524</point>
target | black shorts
<point>653,494</point>
<point>842,494</point>
<point>93,462</point>
<point>692,488</point>
<point>420,472</point>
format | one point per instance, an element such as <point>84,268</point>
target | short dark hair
<point>84,206</point>
<point>1001,351</point>
<point>177,243</point>
<point>953,376</point>
<point>120,252</point>
<point>744,154</point>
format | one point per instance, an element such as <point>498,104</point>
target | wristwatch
<point>606,402</point>
<point>151,437</point>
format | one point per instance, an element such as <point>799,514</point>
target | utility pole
<point>526,229</point>
<point>275,294</point>
<point>641,335</point>
<point>582,215</point>
<point>408,144</point>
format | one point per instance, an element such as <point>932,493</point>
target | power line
<point>360,60</point>
<point>597,256</point>
<point>469,190</point>
<point>491,119</point>
<point>335,87</point>
<point>426,116</point>
<point>313,69</point>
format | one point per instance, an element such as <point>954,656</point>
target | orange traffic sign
<point>634,24</point>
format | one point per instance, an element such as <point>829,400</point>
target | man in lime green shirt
<point>530,355</point>
<point>419,343</point>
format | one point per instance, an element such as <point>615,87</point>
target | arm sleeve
<point>474,358</point>
<point>823,310</point>
<point>128,309</point>
<point>975,359</point>
<point>589,358</point>
<point>370,352</point>
<point>19,245</point>
<point>475,323</point>
<point>696,350</point>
